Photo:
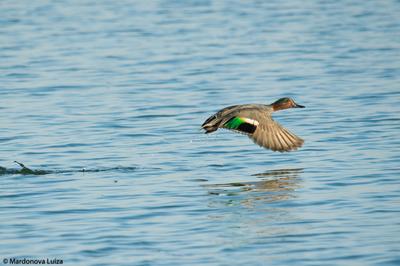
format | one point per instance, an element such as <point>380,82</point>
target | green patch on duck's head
<point>284,100</point>
<point>285,103</point>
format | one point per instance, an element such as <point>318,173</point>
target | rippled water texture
<point>106,99</point>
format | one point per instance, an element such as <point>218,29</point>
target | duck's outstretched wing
<point>264,131</point>
<point>271,135</point>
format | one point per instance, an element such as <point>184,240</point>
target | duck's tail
<point>211,124</point>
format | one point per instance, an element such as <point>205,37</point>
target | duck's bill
<point>299,106</point>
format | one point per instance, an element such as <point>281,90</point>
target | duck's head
<point>285,103</point>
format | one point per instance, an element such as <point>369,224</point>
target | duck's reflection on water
<point>255,210</point>
<point>275,185</point>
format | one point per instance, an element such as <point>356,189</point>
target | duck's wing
<point>271,135</point>
<point>264,131</point>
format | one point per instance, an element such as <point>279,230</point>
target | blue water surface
<point>107,97</point>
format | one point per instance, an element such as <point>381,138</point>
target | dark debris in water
<point>24,170</point>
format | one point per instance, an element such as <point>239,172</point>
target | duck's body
<point>255,120</point>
